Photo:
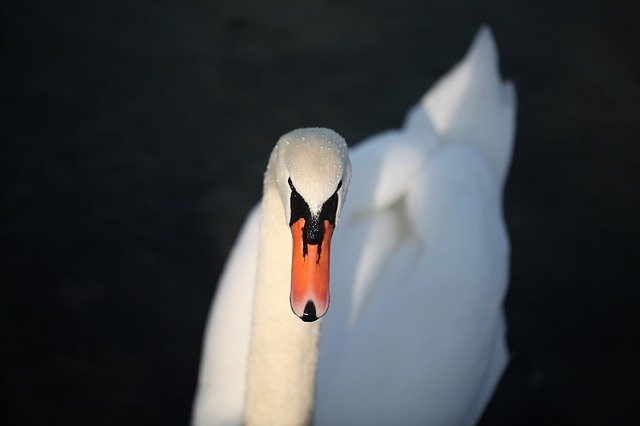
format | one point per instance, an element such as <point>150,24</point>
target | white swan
<point>415,333</point>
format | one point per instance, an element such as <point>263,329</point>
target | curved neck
<point>283,352</point>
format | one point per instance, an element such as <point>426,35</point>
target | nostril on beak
<point>309,314</point>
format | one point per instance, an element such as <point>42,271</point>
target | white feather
<point>415,332</point>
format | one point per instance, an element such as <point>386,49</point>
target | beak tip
<point>309,314</point>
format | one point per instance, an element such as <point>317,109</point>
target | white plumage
<point>415,332</point>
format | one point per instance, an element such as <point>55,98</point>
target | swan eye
<point>299,207</point>
<point>329,208</point>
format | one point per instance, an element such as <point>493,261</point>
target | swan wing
<point>222,378</point>
<point>428,346</point>
<point>472,105</point>
<point>416,334</point>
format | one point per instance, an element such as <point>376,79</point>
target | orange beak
<point>310,273</point>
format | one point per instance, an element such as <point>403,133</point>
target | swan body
<point>415,333</point>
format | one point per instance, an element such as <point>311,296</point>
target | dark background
<point>133,140</point>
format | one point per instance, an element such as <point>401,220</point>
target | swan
<point>415,333</point>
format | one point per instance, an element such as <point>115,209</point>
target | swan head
<point>312,172</point>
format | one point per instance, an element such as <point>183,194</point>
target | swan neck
<point>283,351</point>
